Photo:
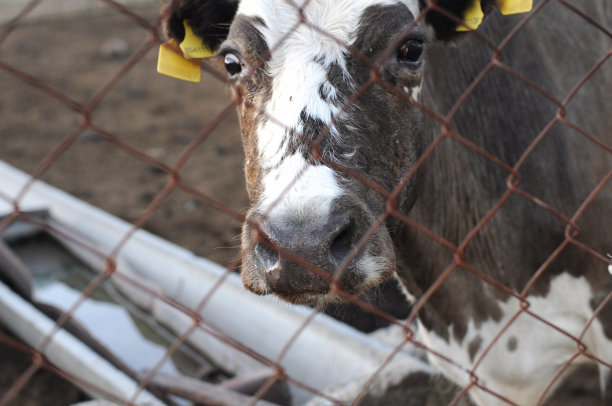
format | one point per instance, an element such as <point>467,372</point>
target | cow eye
<point>232,64</point>
<point>410,52</point>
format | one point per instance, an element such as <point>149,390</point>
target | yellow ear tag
<point>171,62</point>
<point>193,46</point>
<point>514,6</point>
<point>472,18</point>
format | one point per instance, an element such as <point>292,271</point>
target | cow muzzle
<point>302,258</point>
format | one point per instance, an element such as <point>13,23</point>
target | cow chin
<point>304,273</point>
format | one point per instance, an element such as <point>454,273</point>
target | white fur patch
<point>299,190</point>
<point>414,91</point>
<point>370,267</point>
<point>523,373</point>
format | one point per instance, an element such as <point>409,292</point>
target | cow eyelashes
<point>232,64</point>
<point>410,52</point>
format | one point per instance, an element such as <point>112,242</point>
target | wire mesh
<point>176,181</point>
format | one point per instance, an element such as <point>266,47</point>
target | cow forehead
<point>286,11</point>
<point>313,8</point>
<point>318,40</point>
<point>323,34</point>
<point>337,18</point>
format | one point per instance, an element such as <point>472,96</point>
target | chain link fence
<point>170,180</point>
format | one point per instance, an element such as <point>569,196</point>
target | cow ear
<point>209,19</point>
<point>445,16</point>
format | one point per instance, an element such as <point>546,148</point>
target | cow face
<point>312,222</point>
<point>326,99</point>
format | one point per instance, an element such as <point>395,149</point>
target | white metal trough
<point>66,352</point>
<point>324,354</point>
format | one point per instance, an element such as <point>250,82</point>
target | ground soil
<point>158,116</point>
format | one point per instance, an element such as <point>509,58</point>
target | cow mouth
<point>304,298</point>
<point>328,296</point>
<point>313,289</point>
<point>308,297</point>
<point>308,287</point>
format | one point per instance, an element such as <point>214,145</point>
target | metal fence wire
<point>176,181</point>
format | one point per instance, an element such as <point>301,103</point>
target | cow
<point>384,138</point>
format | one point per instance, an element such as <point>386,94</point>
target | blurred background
<point>78,47</point>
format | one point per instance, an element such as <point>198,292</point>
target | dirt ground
<point>156,115</point>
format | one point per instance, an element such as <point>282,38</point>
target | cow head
<point>325,94</point>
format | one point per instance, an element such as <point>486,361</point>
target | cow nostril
<point>267,255</point>
<point>342,244</point>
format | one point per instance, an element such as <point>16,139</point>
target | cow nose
<point>335,237</point>
<point>324,245</point>
<point>266,254</point>
<point>342,243</point>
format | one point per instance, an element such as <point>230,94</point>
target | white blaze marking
<point>299,190</point>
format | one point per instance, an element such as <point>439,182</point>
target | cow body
<point>503,116</point>
<point>507,290</point>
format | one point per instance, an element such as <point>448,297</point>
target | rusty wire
<point>174,182</point>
